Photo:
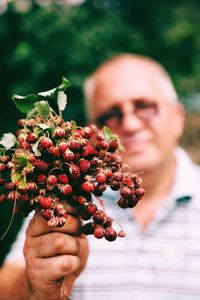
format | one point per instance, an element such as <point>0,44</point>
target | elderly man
<point>160,256</point>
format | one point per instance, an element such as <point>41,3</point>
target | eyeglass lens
<point>143,109</point>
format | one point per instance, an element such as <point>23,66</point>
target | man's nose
<point>130,121</point>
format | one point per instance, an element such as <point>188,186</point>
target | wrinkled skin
<point>54,258</point>
<point>53,254</point>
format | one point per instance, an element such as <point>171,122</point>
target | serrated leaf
<point>8,140</point>
<point>47,93</point>
<point>31,113</point>
<point>25,103</point>
<point>35,149</point>
<point>43,109</point>
<point>62,100</point>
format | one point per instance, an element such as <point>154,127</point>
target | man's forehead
<point>139,77</point>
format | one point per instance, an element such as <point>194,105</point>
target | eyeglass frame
<point>116,111</point>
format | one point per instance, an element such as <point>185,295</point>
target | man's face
<point>132,101</point>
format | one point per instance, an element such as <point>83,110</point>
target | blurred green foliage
<point>39,46</point>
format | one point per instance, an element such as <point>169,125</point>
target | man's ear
<point>179,119</point>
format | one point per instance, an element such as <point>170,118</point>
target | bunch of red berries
<point>54,161</point>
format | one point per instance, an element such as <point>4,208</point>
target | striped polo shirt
<point>162,263</point>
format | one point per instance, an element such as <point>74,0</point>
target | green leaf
<point>19,180</point>
<point>31,113</point>
<point>25,103</point>
<point>64,85</point>
<point>62,100</point>
<point>8,140</point>
<point>15,177</point>
<point>107,132</point>
<point>44,126</point>
<point>43,109</point>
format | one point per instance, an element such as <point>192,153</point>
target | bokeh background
<point>43,40</point>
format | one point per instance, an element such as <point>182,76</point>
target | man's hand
<point>53,254</point>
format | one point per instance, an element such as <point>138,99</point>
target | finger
<point>53,268</point>
<point>52,244</point>
<point>38,226</point>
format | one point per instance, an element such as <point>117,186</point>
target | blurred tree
<point>40,44</point>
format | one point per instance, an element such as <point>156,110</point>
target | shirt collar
<point>187,175</point>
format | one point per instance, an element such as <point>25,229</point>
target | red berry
<point>2,181</point>
<point>110,234</point>
<point>99,217</point>
<point>54,151</point>
<point>115,186</point>
<point>32,157</point>
<point>31,138</point>
<point>121,233</point>
<point>52,180</point>
<point>91,208</point>
<point>139,192</point>
<point>84,165</point>
<point>101,178</point>
<point>46,142</point>
<point>88,228</point>
<point>129,182</point>
<point>59,132</point>
<point>63,146</point>
<point>31,186</point>
<point>118,176</point>
<point>100,136</point>
<point>102,145</point>
<point>99,189</point>
<point>40,165</point>
<point>9,185</point>
<point>82,200</point>
<point>108,173</point>
<point>87,132</point>
<point>41,179</point>
<point>21,122</point>
<point>25,145</point>
<point>74,171</point>
<point>24,197</point>
<point>126,192</point>
<point>2,198</point>
<point>88,150</point>
<point>45,202</point>
<point>68,155</point>
<point>123,203</point>
<point>113,145</point>
<point>74,145</point>
<point>47,214</point>
<point>99,232</point>
<point>88,187</point>
<point>4,158</point>
<point>62,178</point>
<point>66,189</point>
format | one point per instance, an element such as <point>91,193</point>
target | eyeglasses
<point>142,108</point>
